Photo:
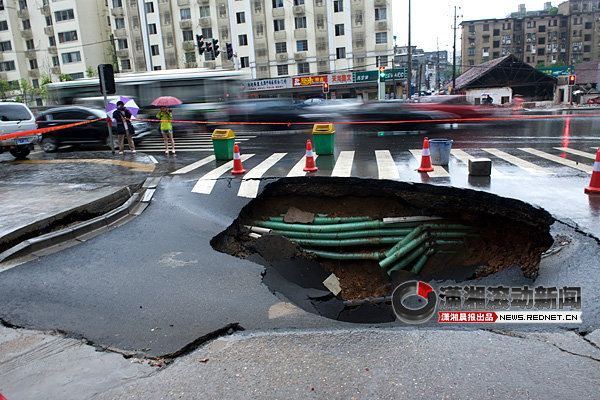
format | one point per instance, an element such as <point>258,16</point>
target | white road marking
<point>465,157</point>
<point>297,170</point>
<point>577,152</point>
<point>343,165</point>
<point>559,160</point>
<point>154,160</point>
<point>195,165</point>
<point>386,166</point>
<point>526,165</point>
<point>438,170</point>
<point>250,182</point>
<point>206,184</point>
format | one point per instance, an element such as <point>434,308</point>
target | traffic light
<point>229,49</point>
<point>325,87</point>
<point>382,74</point>
<point>215,46</point>
<point>106,74</point>
<point>200,44</point>
<point>209,49</point>
<point>571,80</point>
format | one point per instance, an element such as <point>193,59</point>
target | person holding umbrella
<point>166,116</point>
<point>124,128</point>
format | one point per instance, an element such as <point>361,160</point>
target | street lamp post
<point>409,72</point>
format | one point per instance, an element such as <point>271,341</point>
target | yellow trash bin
<point>223,141</point>
<point>323,138</point>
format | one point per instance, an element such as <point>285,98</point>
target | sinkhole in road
<point>339,246</point>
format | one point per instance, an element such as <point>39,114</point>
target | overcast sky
<point>432,20</point>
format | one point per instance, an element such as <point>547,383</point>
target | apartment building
<point>562,35</point>
<point>272,38</point>
<point>41,38</point>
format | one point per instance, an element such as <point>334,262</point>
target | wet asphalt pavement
<point>154,285</point>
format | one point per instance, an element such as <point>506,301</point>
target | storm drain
<point>338,246</point>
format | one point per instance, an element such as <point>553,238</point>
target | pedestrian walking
<point>124,127</point>
<point>166,128</point>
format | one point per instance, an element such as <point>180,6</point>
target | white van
<point>17,117</point>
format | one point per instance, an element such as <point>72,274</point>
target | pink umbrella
<point>166,101</point>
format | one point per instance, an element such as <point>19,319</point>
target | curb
<point>82,231</point>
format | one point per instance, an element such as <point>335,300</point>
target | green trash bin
<point>323,138</point>
<point>223,141</point>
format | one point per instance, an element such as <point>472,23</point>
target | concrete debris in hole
<point>295,215</point>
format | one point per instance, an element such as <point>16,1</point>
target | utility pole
<point>394,69</point>
<point>409,72</point>
<point>437,66</point>
<point>454,54</point>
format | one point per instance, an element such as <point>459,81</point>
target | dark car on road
<point>91,133</point>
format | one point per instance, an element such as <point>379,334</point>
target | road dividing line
<point>569,163</point>
<point>206,184</point>
<point>251,181</point>
<point>193,166</point>
<point>577,152</point>
<point>465,157</point>
<point>385,165</point>
<point>526,165</point>
<point>343,165</point>
<point>438,171</point>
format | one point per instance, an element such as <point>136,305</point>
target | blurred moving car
<point>278,112</point>
<point>92,133</point>
<point>17,117</point>
<point>395,114</point>
<point>595,100</point>
<point>332,110</point>
<point>456,105</point>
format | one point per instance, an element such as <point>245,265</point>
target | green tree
<point>65,77</point>
<point>90,72</point>
<point>4,90</point>
<point>540,64</point>
<point>25,91</point>
<point>553,11</point>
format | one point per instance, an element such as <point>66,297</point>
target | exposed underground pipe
<point>331,235</point>
<point>376,255</point>
<point>348,242</point>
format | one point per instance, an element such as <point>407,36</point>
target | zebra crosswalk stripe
<point>438,171</point>
<point>557,159</point>
<point>386,166</point>
<point>193,166</point>
<point>206,184</point>
<point>526,165</point>
<point>297,170</point>
<point>577,152</point>
<point>250,182</point>
<point>343,165</point>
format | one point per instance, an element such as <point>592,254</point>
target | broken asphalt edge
<point>123,205</point>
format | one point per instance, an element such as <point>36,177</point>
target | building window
<point>26,24</point>
<point>279,25</point>
<point>51,41</point>
<point>281,47</point>
<point>151,29</point>
<point>55,62</point>
<point>302,45</point>
<point>245,62</point>
<point>277,3</point>
<point>298,2</point>
<point>138,44</point>
<point>486,27</point>
<point>259,29</point>
<point>300,22</point>
<point>486,39</point>
<point>190,57</point>
<point>154,50</point>
<point>35,83</point>
<point>5,46</point>
<point>358,18</point>
<point>382,61</point>
<point>70,36</point>
<point>282,70</point>
<point>240,17</point>
<point>122,44</point>
<point>64,15</point>
<point>338,6</point>
<point>471,63</point>
<point>185,13</point>
<point>126,64</point>
<point>76,75</point>
<point>320,21</point>
<point>204,11</point>
<point>471,28</point>
<point>7,66</point>
<point>339,30</point>
<point>380,37</point>
<point>157,68</point>
<point>188,35</point>
<point>471,52</point>
<point>119,23</point>
<point>207,33</point>
<point>1,5</point>
<point>496,44</point>
<point>340,53</point>
<point>303,68</point>
<point>380,13</point>
<point>48,21</point>
<point>243,40</point>
<point>29,44</point>
<point>166,16</point>
<point>117,3</point>
<point>587,48</point>
<point>72,57</point>
<point>149,7</point>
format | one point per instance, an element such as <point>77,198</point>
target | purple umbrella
<point>129,104</point>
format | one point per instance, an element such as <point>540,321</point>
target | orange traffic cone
<point>595,182</point>
<point>425,158</point>
<point>310,159</point>
<point>237,161</point>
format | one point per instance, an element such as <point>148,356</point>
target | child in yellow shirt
<point>166,128</point>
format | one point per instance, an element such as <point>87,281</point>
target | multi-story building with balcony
<point>272,38</point>
<point>561,35</point>
<point>47,38</point>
